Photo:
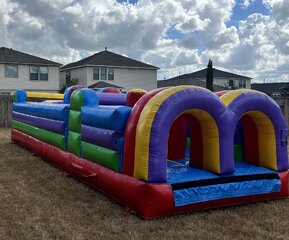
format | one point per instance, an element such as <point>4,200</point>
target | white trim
<point>25,63</point>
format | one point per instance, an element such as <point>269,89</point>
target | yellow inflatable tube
<point>51,96</point>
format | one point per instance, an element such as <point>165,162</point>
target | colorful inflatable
<point>167,151</point>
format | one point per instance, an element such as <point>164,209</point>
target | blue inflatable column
<point>19,96</point>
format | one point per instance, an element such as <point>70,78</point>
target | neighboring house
<point>19,70</point>
<point>187,81</point>
<point>222,79</point>
<point>279,91</point>
<point>272,89</point>
<point>114,68</point>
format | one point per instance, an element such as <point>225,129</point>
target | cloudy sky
<point>249,37</point>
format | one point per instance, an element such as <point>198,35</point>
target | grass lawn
<point>38,201</point>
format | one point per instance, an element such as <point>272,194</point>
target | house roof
<point>9,55</point>
<point>102,84</point>
<point>216,74</point>
<point>107,58</point>
<point>186,81</point>
<point>270,88</point>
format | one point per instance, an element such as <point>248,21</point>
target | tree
<point>69,82</point>
<point>210,76</point>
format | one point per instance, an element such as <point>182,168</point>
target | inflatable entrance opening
<point>260,134</point>
<point>255,140</point>
<point>194,135</point>
<point>157,129</point>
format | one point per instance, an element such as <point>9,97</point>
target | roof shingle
<point>186,81</point>
<point>217,74</point>
<point>102,84</point>
<point>270,88</point>
<point>9,55</point>
<point>107,58</point>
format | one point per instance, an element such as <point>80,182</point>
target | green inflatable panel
<point>100,155</point>
<point>74,140</point>
<point>41,134</point>
<point>238,152</point>
<point>76,100</point>
<point>74,121</point>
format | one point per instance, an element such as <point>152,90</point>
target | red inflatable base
<point>148,200</point>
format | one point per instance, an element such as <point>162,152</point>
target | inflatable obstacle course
<point>167,151</point>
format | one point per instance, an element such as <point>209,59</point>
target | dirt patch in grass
<point>38,201</point>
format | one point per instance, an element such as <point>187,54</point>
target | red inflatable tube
<point>131,125</point>
<point>221,93</point>
<point>133,97</point>
<point>148,200</point>
<point>112,90</point>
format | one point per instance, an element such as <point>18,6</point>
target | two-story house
<point>20,70</point>
<point>112,68</point>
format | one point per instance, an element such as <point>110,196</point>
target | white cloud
<point>247,3</point>
<point>73,9</point>
<point>65,30</point>
<point>262,49</point>
<point>279,8</point>
<point>5,13</point>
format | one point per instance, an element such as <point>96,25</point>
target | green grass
<point>38,201</point>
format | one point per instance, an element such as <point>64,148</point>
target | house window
<point>231,83</point>
<point>43,73</point>
<point>103,73</point>
<point>95,73</point>
<point>110,74</point>
<point>11,71</point>
<point>33,73</point>
<point>242,83</point>
<point>38,73</point>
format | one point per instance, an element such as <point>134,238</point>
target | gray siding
<point>78,73</point>
<point>62,77</point>
<point>225,82</point>
<point>129,78</point>
<point>23,82</point>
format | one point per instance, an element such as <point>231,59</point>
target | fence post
<point>5,110</point>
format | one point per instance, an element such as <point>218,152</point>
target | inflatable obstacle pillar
<point>79,98</point>
<point>134,95</point>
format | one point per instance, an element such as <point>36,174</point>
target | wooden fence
<point>5,110</point>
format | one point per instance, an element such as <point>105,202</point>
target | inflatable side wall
<point>47,122</point>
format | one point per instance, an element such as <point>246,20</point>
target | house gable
<point>108,59</point>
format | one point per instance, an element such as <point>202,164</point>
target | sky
<point>247,37</point>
